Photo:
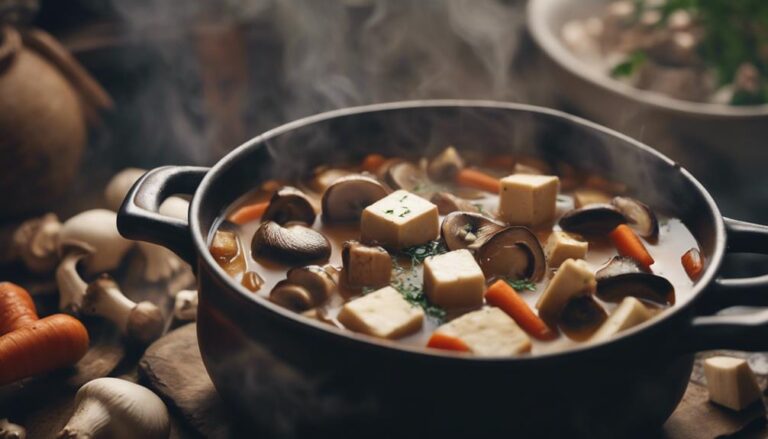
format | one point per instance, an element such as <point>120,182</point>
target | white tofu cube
<point>586,196</point>
<point>528,200</point>
<point>630,312</point>
<point>731,382</point>
<point>572,279</point>
<point>366,266</point>
<point>454,280</point>
<point>400,220</point>
<point>488,332</point>
<point>383,313</point>
<point>561,246</point>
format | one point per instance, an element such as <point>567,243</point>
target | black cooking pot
<point>288,375</point>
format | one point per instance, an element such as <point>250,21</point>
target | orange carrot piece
<point>447,342</point>
<point>502,161</point>
<point>249,213</point>
<point>16,308</point>
<point>372,162</point>
<point>43,346</point>
<point>693,263</point>
<point>628,244</point>
<point>503,296</point>
<point>478,180</point>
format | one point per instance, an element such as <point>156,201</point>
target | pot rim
<point>366,341</point>
<point>538,14</point>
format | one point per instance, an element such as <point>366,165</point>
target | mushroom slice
<point>623,277</point>
<point>405,175</point>
<point>639,216</point>
<point>582,317</point>
<point>467,230</point>
<point>445,165</point>
<point>325,177</point>
<point>294,244</point>
<point>291,296</point>
<point>513,252</point>
<point>314,279</point>
<point>290,205</point>
<point>594,219</point>
<point>448,203</point>
<point>345,199</point>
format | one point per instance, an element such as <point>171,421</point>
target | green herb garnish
<point>421,252</point>
<point>521,284</point>
<point>405,212</point>
<point>406,282</point>
<point>480,208</point>
<point>403,198</point>
<point>389,211</point>
<point>629,66</point>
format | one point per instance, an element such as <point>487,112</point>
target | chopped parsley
<point>405,212</point>
<point>629,66</point>
<point>389,211</point>
<point>521,284</point>
<point>403,198</point>
<point>407,282</point>
<point>480,208</point>
<point>421,252</point>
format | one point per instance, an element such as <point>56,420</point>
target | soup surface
<point>510,257</point>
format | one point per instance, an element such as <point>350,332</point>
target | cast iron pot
<point>290,376</point>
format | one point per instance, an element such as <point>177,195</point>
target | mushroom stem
<point>71,286</point>
<point>142,322</point>
<point>115,408</point>
<point>9,430</point>
<point>185,305</point>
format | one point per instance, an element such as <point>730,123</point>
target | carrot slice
<point>372,162</point>
<point>693,263</point>
<point>503,296</point>
<point>249,213</point>
<point>628,244</point>
<point>478,180</point>
<point>447,342</point>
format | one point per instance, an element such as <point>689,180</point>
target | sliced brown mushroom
<point>405,175</point>
<point>314,279</point>
<point>639,216</point>
<point>467,230</point>
<point>291,296</point>
<point>345,200</point>
<point>594,219</point>
<point>293,244</point>
<point>622,277</point>
<point>512,252</point>
<point>445,165</point>
<point>366,266</point>
<point>325,177</point>
<point>448,203</point>
<point>290,205</point>
<point>582,317</point>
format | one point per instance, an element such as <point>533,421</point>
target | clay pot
<point>45,97</point>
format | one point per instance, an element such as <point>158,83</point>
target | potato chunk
<point>731,382</point>
<point>631,312</point>
<point>562,246</point>
<point>366,266</point>
<point>454,280</point>
<point>572,279</point>
<point>399,220</point>
<point>528,200</point>
<point>383,313</point>
<point>488,332</point>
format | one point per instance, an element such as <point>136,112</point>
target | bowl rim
<point>370,342</point>
<point>538,13</point>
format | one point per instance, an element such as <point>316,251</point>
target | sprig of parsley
<point>421,252</point>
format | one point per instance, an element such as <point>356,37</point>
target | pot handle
<point>139,218</point>
<point>744,332</point>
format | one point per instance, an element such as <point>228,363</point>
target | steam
<point>325,55</point>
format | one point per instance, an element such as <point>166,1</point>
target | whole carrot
<point>503,296</point>
<point>45,345</point>
<point>629,244</point>
<point>16,308</point>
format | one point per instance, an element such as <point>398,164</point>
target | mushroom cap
<point>513,252</point>
<point>447,203</point>
<point>622,277</point>
<point>98,229</point>
<point>593,219</point>
<point>36,243</point>
<point>314,279</point>
<point>467,229</point>
<point>290,205</point>
<point>347,197</point>
<point>291,296</point>
<point>404,175</point>
<point>145,323</point>
<point>639,216</point>
<point>293,244</point>
<point>119,185</point>
<point>445,165</point>
<point>581,317</point>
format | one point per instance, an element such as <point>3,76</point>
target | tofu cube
<point>731,382</point>
<point>383,313</point>
<point>488,332</point>
<point>630,312</point>
<point>585,197</point>
<point>400,220</point>
<point>561,246</point>
<point>572,279</point>
<point>366,266</point>
<point>454,280</point>
<point>528,200</point>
